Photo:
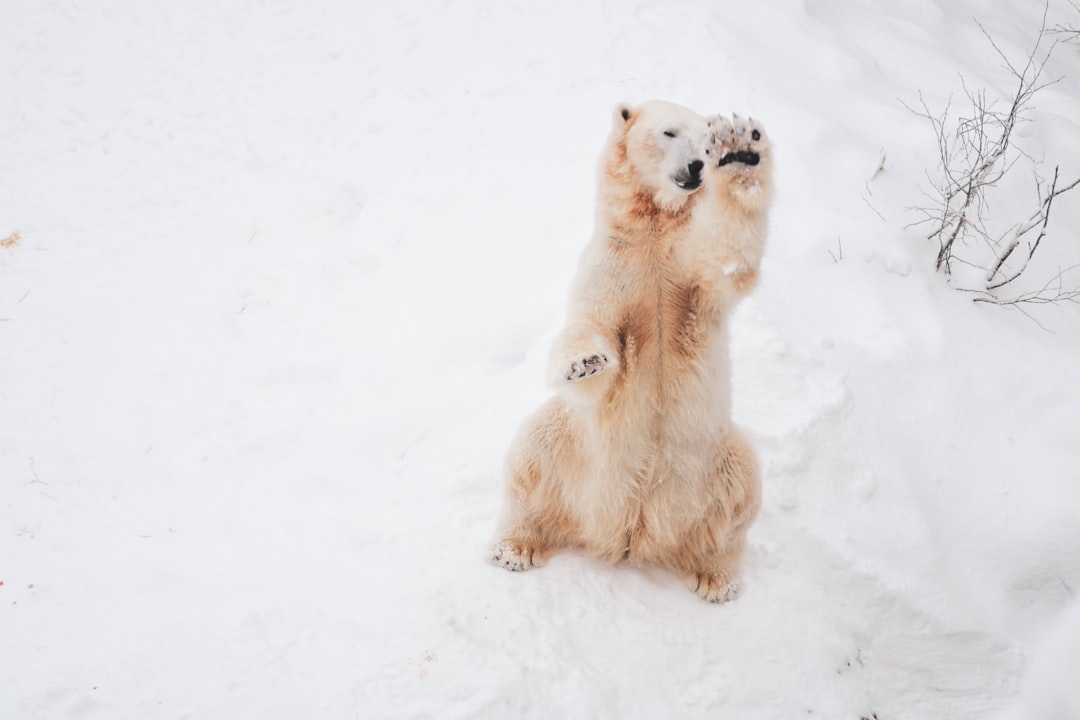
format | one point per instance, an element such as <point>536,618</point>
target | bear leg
<point>536,521</point>
<point>522,544</point>
<point>720,582</point>
<point>710,556</point>
<point>583,363</point>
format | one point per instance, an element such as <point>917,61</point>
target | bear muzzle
<point>689,178</point>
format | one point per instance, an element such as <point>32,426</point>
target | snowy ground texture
<point>277,282</point>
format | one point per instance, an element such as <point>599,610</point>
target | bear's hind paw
<point>515,556</point>
<point>715,589</point>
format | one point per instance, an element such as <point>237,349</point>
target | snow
<point>283,285</point>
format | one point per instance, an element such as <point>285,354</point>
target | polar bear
<point>635,457</point>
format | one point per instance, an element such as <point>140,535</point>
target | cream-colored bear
<point>636,456</point>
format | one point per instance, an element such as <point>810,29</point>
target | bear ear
<point>622,115</point>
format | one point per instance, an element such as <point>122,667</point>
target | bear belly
<point>673,385</point>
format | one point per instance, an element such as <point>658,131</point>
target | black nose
<point>696,167</point>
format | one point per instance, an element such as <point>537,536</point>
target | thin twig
<point>975,153</point>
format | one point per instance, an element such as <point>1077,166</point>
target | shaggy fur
<point>635,457</point>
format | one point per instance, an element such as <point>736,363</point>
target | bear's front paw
<point>738,142</point>
<point>585,367</point>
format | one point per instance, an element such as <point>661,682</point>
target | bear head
<point>657,151</point>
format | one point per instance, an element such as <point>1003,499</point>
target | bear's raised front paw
<point>715,589</point>
<point>585,367</point>
<point>514,556</point>
<point>738,142</point>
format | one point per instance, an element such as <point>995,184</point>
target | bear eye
<point>670,133</point>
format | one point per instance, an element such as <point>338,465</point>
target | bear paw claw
<point>715,589</point>
<point>738,141</point>
<point>586,367</point>
<point>514,557</point>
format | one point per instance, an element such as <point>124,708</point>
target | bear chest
<point>665,328</point>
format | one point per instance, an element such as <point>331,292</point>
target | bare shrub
<point>978,161</point>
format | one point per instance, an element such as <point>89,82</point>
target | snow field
<point>283,286</point>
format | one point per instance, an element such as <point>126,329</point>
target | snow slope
<point>276,286</point>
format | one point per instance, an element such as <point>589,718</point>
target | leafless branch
<point>1068,33</point>
<point>1053,290</point>
<point>1039,220</point>
<point>976,152</point>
